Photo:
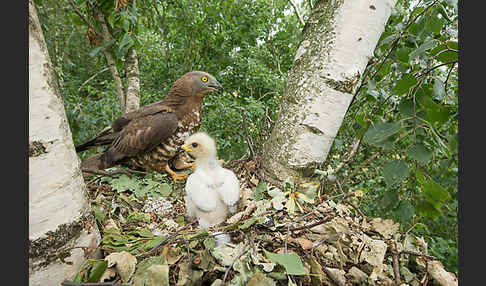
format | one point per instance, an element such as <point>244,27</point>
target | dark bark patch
<point>52,245</point>
<point>36,148</point>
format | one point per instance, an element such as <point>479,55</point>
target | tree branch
<point>301,20</point>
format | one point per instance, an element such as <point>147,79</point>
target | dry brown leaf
<point>304,243</point>
<point>386,227</point>
<point>374,251</point>
<point>437,271</point>
<point>124,263</point>
<point>109,273</point>
<point>356,276</point>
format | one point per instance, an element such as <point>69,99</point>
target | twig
<point>416,254</point>
<point>333,278</point>
<point>301,20</point>
<point>189,257</point>
<point>287,237</point>
<point>71,283</point>
<point>447,78</point>
<point>106,173</point>
<point>396,270</point>
<point>437,66</point>
<point>93,76</point>
<point>321,221</point>
<point>163,242</point>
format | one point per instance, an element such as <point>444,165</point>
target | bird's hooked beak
<point>215,85</point>
<point>186,148</point>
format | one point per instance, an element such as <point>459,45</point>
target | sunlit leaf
<point>290,261</point>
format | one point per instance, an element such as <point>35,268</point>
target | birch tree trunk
<point>59,215</point>
<point>132,95</point>
<point>338,40</point>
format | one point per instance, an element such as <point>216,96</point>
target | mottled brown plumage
<point>150,137</point>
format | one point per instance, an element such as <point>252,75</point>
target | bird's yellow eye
<point>204,79</point>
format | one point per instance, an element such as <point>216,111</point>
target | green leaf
<point>434,192</point>
<point>434,24</point>
<point>439,116</point>
<point>152,243</point>
<point>124,183</point>
<point>447,56</point>
<point>258,191</point>
<point>427,45</point>
<point>402,54</point>
<point>95,51</point>
<point>453,45</point>
<point>290,261</point>
<point>380,131</point>
<point>406,108</point>
<point>420,153</point>
<point>99,266</point>
<point>389,199</point>
<point>395,171</point>
<point>404,84</point>
<point>427,209</point>
<point>405,211</point>
<point>126,42</point>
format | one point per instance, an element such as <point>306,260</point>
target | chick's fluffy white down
<point>211,195</point>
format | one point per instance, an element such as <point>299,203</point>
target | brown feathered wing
<point>134,136</point>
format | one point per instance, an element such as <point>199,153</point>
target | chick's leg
<point>175,176</point>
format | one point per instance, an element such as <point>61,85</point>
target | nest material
<point>333,242</point>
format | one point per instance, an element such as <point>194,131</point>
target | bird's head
<point>197,83</point>
<point>200,146</point>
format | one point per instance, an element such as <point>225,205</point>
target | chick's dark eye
<point>194,145</point>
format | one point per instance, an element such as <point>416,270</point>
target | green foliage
<point>407,117</point>
<point>152,185</point>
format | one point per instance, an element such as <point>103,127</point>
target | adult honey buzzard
<point>151,136</point>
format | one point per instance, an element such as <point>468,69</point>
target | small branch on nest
<point>189,257</point>
<point>71,283</point>
<point>396,270</point>
<point>416,254</point>
<point>287,237</point>
<point>167,239</point>
<point>330,275</point>
<point>106,173</point>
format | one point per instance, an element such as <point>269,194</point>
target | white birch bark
<point>133,81</point>
<point>58,208</point>
<point>338,40</point>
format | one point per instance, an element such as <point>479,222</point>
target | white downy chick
<point>211,190</point>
